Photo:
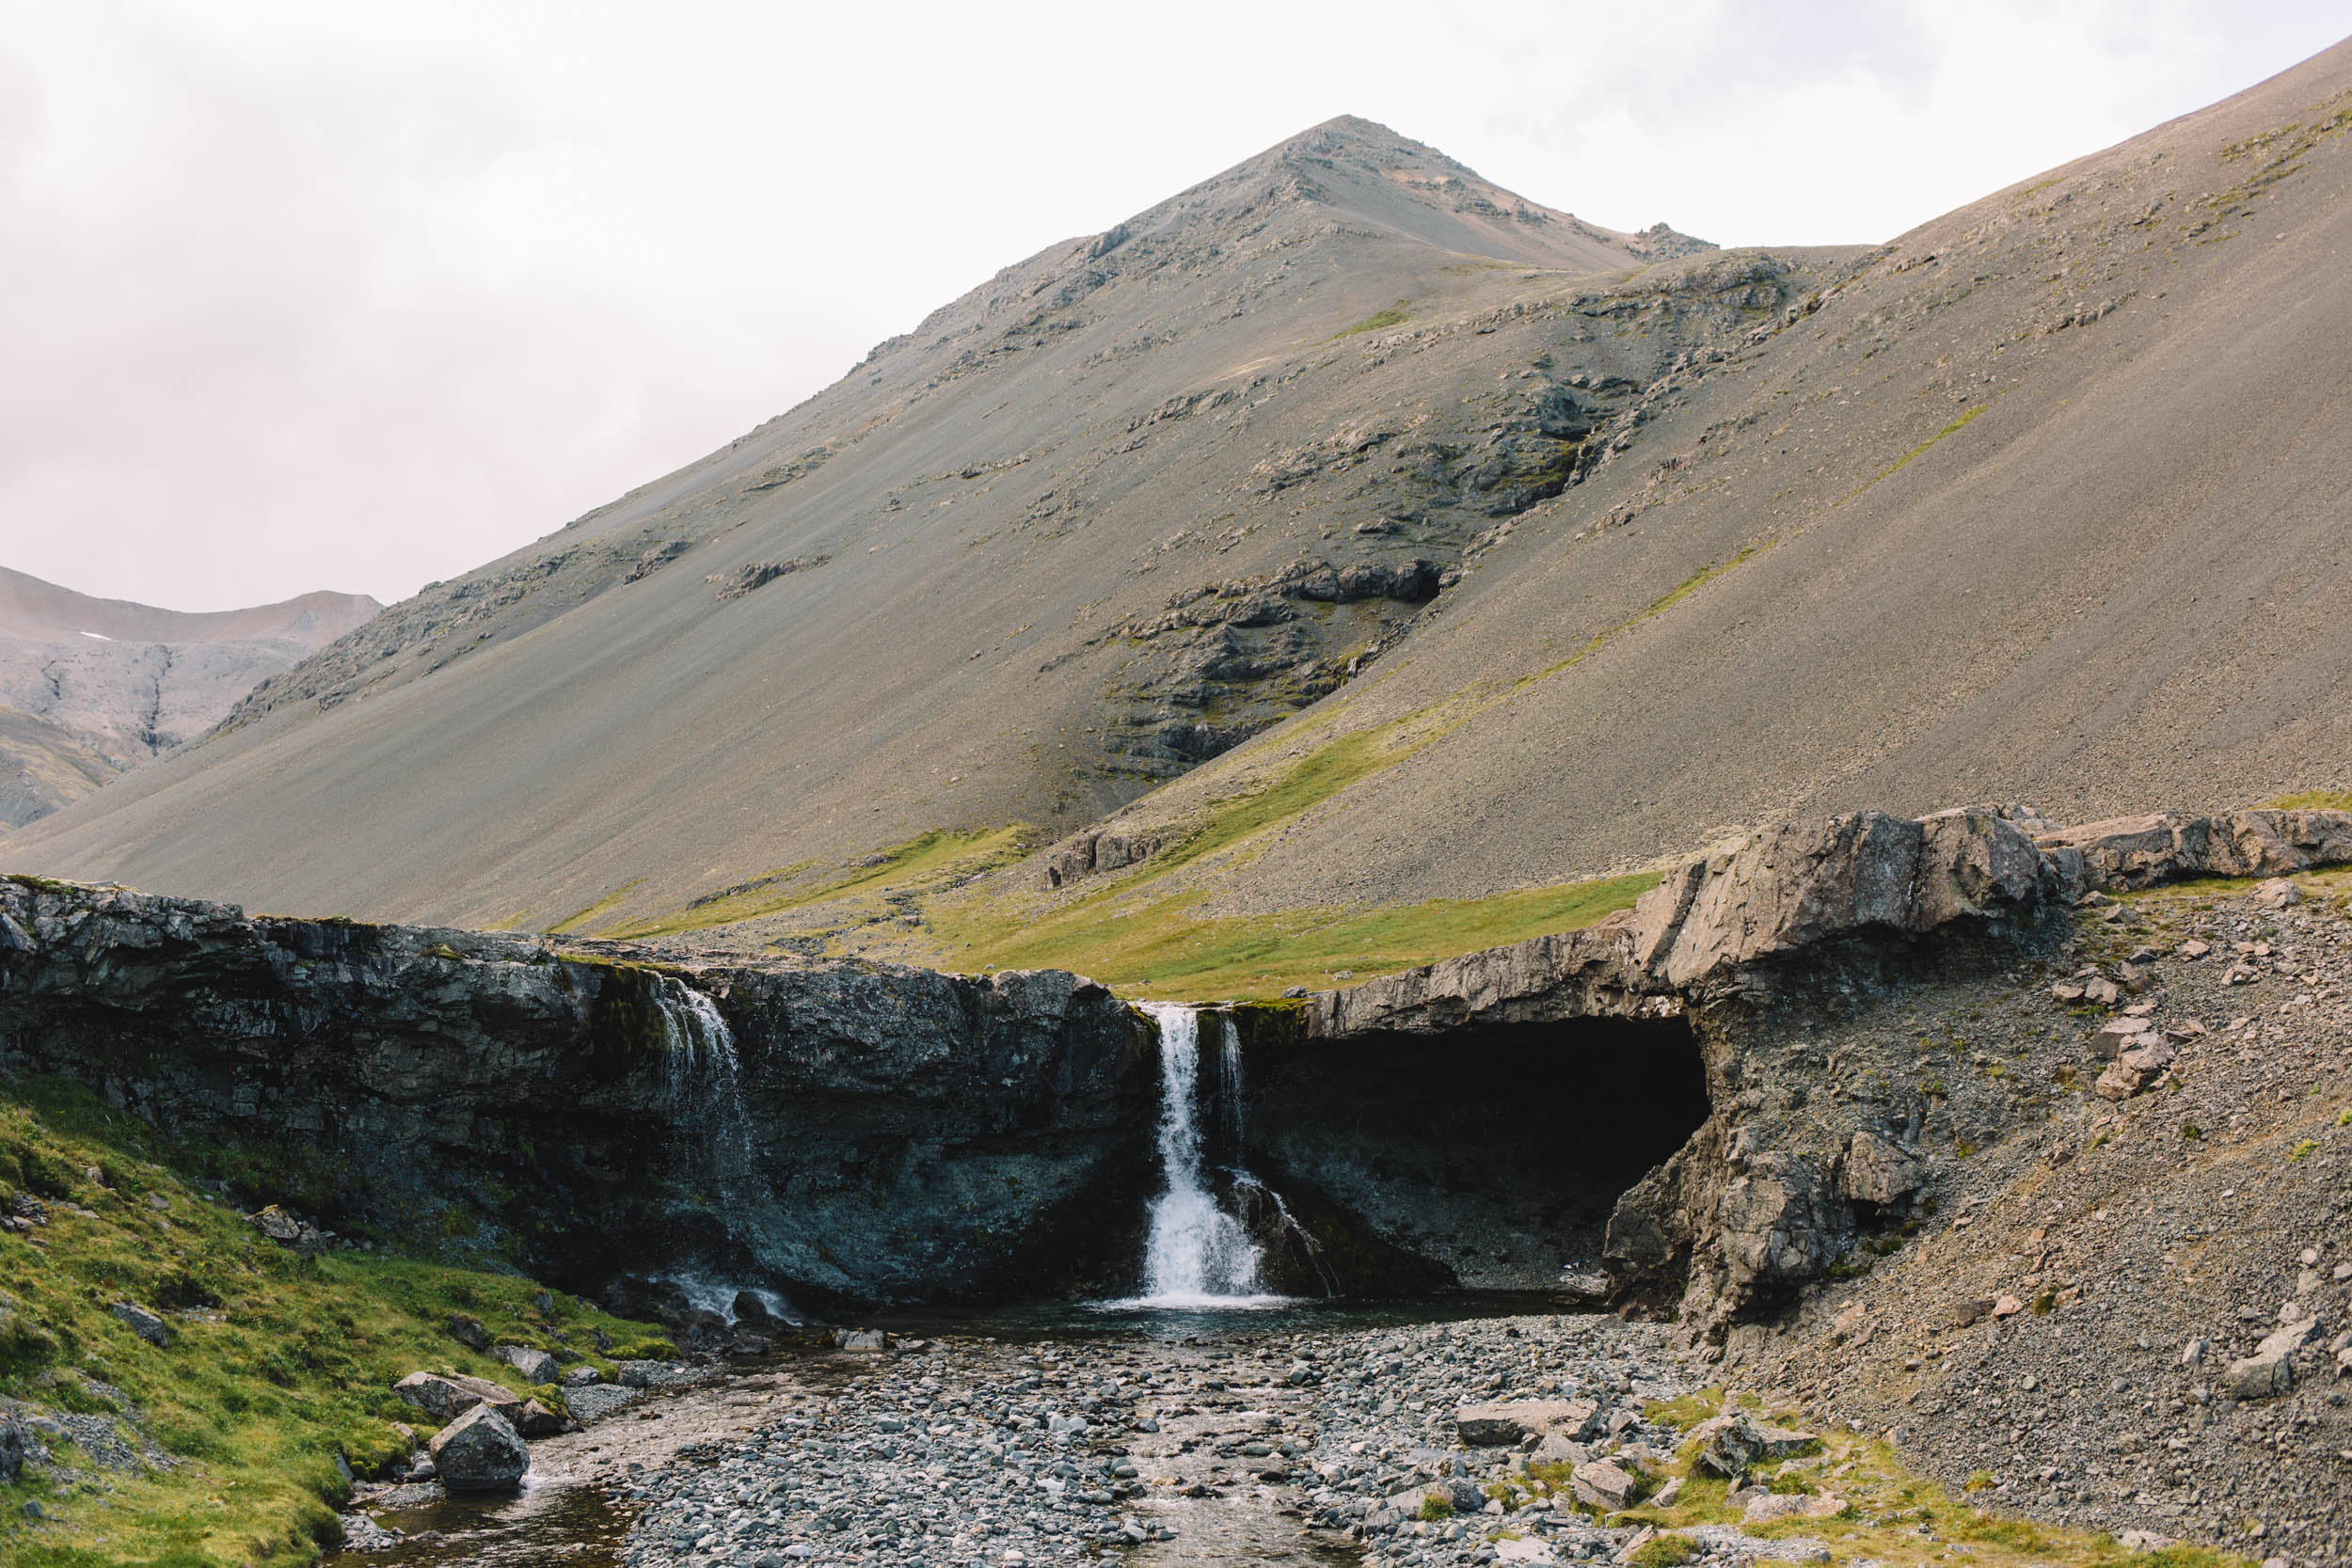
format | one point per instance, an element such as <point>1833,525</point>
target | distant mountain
<point>1467,545</point>
<point>91,688</point>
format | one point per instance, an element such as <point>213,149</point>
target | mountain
<point>91,688</point>
<point>1349,534</point>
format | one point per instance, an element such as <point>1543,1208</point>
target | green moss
<point>1378,321</point>
<point>2312,799</point>
<point>291,1362</point>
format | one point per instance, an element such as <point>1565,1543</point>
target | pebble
<point>993,1455</point>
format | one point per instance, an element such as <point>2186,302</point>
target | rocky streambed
<point>1263,1438</point>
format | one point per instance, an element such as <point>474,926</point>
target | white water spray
<point>700,1070</point>
<point>1197,1254</point>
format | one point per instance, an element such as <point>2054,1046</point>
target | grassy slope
<point>286,1361</point>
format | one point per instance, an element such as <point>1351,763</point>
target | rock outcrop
<point>1741,946</point>
<point>858,1132</point>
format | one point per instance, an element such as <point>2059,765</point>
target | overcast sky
<point>359,295</point>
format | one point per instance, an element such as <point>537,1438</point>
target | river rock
<point>537,1420</point>
<point>479,1451</point>
<point>536,1366</point>
<point>1517,1420</point>
<point>445,1397</point>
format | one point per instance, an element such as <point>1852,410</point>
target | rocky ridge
<point>91,688</point>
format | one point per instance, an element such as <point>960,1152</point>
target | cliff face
<point>845,1132</point>
<point>1717,1096</point>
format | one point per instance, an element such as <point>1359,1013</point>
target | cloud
<point>355,296</point>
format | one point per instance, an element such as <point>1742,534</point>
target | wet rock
<point>364,1534</point>
<point>479,1451</point>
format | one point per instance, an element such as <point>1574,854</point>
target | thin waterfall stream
<point>1199,1251</point>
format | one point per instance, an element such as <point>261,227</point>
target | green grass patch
<point>595,912</point>
<point>931,859</point>
<point>1656,607</point>
<point>2312,799</point>
<point>1164,947</point>
<point>277,1362</point>
<point>1891,1515</point>
<point>1377,321</point>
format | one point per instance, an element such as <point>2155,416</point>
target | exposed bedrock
<point>1745,959</point>
<point>1669,1094</point>
<point>855,1132</point>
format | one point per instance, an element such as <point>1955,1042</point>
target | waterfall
<point>702,1074</point>
<point>1197,1254</point>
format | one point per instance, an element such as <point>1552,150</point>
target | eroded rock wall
<point>857,1132</point>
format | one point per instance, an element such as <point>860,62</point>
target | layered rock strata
<point>848,1131</point>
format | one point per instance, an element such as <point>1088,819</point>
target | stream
<point>1204,1421</point>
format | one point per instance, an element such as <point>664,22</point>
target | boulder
<point>2268,1373</point>
<point>1514,1421</point>
<point>13,1443</point>
<point>446,1397</point>
<point>536,1366</point>
<point>858,1339</point>
<point>581,1376</point>
<point>1556,1449</point>
<point>144,1324</point>
<point>469,1332</point>
<point>2278,893</point>
<point>1879,1170</point>
<point>1728,1445</point>
<point>479,1451</point>
<point>1773,1507</point>
<point>1797,885</point>
<point>537,1420</point>
<point>1604,1486</point>
<point>1463,1493</point>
